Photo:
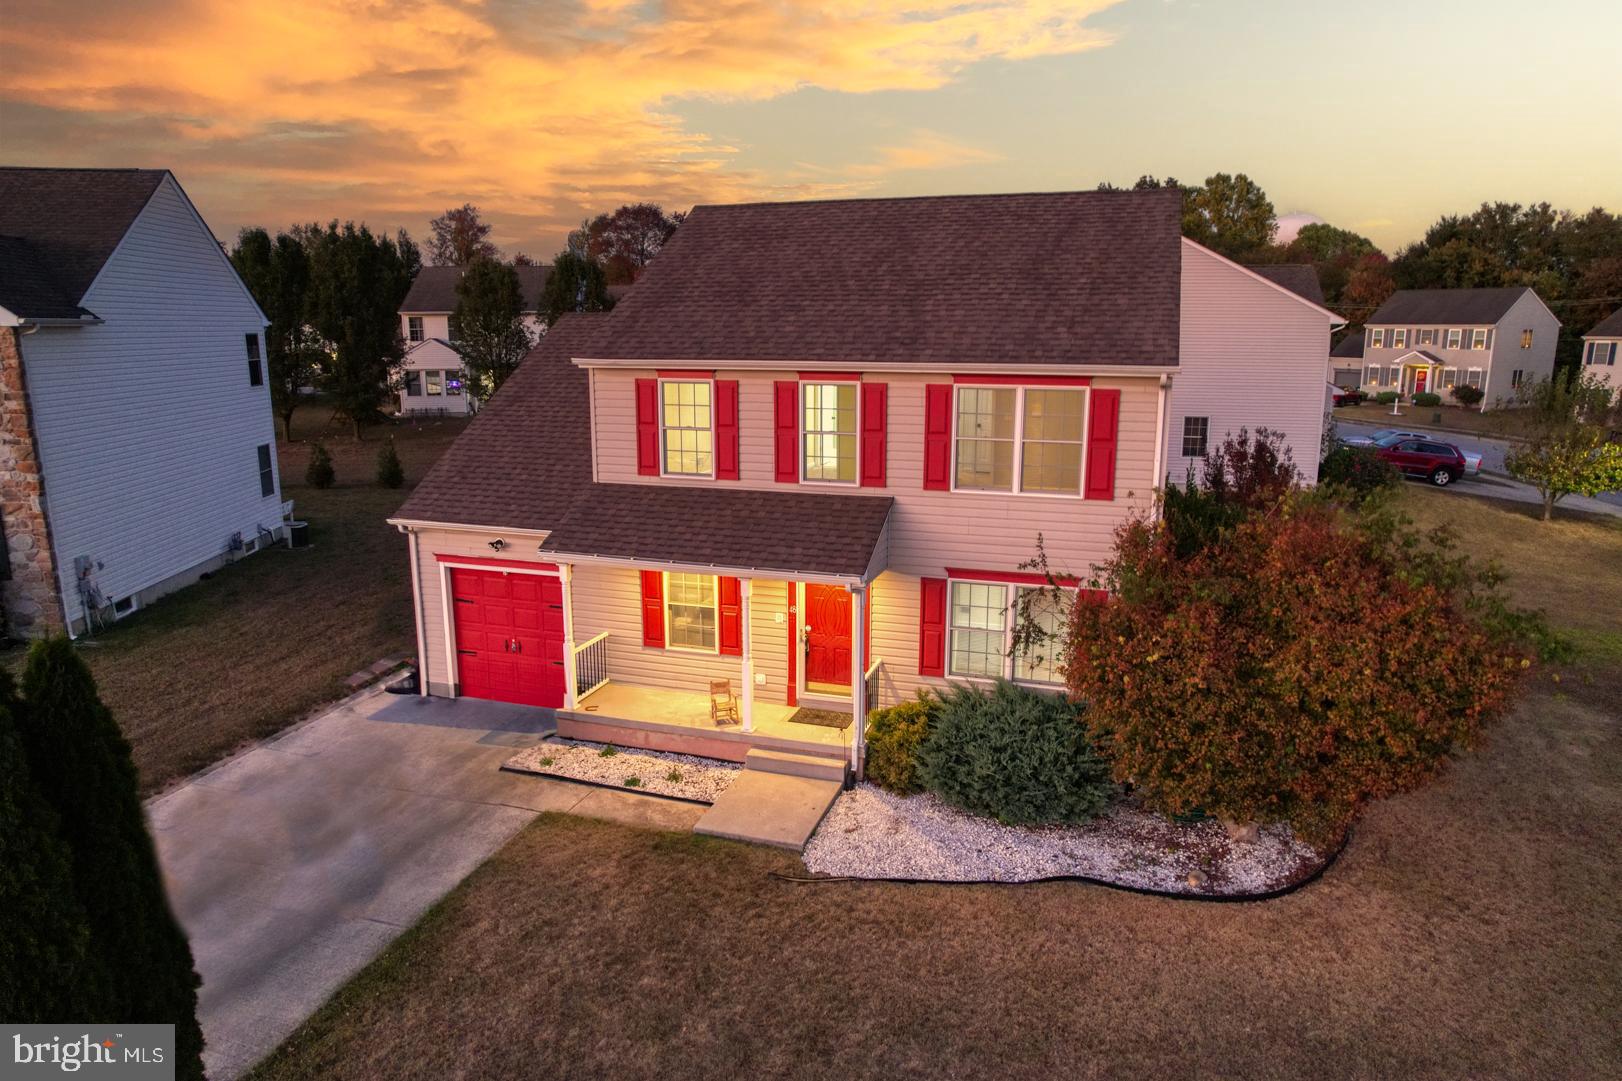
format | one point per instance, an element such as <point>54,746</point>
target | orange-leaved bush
<point>1303,663</point>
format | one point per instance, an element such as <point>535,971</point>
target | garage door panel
<point>508,635</point>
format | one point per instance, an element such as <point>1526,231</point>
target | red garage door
<point>509,636</point>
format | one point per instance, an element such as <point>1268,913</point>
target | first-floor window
<point>1039,662</point>
<point>1396,375</point>
<point>453,382</point>
<point>690,615</point>
<point>1372,376</point>
<point>267,475</point>
<point>413,383</point>
<point>689,434</point>
<point>1602,353</point>
<point>1195,432</point>
<point>830,431</point>
<point>979,627</point>
<point>1516,376</point>
<point>1450,376</point>
<point>1473,377</point>
<point>436,383</point>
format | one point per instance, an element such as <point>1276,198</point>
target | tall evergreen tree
<point>357,282</point>
<point>46,972</point>
<point>492,337</point>
<point>577,284</point>
<point>81,763</point>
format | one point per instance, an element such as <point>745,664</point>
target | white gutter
<point>416,613</point>
<point>920,368</point>
<point>404,524</point>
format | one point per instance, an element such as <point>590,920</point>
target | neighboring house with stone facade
<point>137,446</point>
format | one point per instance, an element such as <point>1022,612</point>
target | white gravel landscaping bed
<point>662,773</point>
<point>870,833</point>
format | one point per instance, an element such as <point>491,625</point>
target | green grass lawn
<point>1468,930</point>
<point>266,640</point>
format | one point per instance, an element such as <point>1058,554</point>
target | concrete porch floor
<point>671,720</point>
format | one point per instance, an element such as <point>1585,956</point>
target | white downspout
<point>747,701</point>
<point>416,613</point>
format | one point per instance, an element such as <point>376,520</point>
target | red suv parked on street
<point>1440,463</point>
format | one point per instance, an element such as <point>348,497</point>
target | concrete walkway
<point>770,809</point>
<point>294,863</point>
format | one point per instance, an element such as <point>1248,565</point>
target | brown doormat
<point>825,718</point>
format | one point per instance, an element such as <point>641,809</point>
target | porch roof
<point>1423,354</point>
<point>770,532</point>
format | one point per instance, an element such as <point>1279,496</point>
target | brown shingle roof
<point>1609,327</point>
<point>433,290</point>
<point>1063,278</point>
<point>1299,278</point>
<point>1472,307</point>
<point>1349,346</point>
<point>65,223</point>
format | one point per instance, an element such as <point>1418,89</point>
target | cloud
<point>393,109</point>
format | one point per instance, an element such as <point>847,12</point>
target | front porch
<point>662,719</point>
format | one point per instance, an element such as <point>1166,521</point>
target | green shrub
<point>1386,397</point>
<point>1017,755</point>
<point>1465,394</point>
<point>1358,470</point>
<point>894,735</point>
<point>390,474</point>
<point>1425,399</point>
<point>319,473</point>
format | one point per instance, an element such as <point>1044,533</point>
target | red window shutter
<point>647,427</point>
<point>730,595</point>
<point>938,436</point>
<point>875,421</point>
<point>1103,430</point>
<point>787,398</point>
<point>932,627</point>
<point>653,609</point>
<point>726,429</point>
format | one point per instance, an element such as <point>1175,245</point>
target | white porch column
<point>858,676</point>
<point>566,573</point>
<point>747,703</point>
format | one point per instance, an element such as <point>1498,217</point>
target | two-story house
<point>1434,339</point>
<point>808,458</point>
<point>1601,345</point>
<point>137,447</point>
<point>431,375</point>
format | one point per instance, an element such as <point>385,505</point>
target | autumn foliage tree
<point>1305,662</point>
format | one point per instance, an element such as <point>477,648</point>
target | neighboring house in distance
<point>1346,361</point>
<point>820,488</point>
<point>1433,339</point>
<point>137,446</point>
<point>1230,376</point>
<point>1601,345</point>
<point>431,377</point>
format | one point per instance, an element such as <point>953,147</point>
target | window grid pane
<point>979,620</point>
<point>1051,454</point>
<point>985,438</point>
<point>688,434</point>
<point>1040,663</point>
<point>830,432</point>
<point>690,599</point>
<point>1195,430</point>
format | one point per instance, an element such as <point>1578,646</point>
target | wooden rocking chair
<point>723,703</point>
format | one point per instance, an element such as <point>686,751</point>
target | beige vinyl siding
<point>1251,357</point>
<point>1527,313</point>
<point>148,426</point>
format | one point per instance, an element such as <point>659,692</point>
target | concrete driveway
<point>294,863</point>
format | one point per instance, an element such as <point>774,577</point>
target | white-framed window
<point>436,383</point>
<point>1399,338</point>
<point>1040,663</point>
<point>1396,375</point>
<point>1478,339</point>
<point>414,328</point>
<point>1602,353</point>
<point>981,632</point>
<point>1426,336</point>
<point>1372,376</point>
<point>413,383</point>
<point>1473,378</point>
<point>1526,339</point>
<point>453,383</point>
<point>687,427</point>
<point>267,472</point>
<point>1196,430</point>
<point>828,432</point>
<point>1450,377</point>
<point>1377,338</point>
<point>1019,439</point>
<point>691,612</point>
<point>1455,336</point>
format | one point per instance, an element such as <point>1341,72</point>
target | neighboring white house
<point>431,378</point>
<point>137,446</point>
<point>1434,339</point>
<point>1346,362</point>
<point>1600,348</point>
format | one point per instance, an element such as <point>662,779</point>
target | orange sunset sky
<point>1377,115</point>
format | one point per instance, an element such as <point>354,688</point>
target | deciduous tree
<point>1570,450</point>
<point>459,236</point>
<point>1230,214</point>
<point>626,241</point>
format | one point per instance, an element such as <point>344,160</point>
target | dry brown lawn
<point>1495,423</point>
<point>266,640</point>
<point>1469,930</point>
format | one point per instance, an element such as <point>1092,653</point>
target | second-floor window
<point>1377,338</point>
<point>1020,439</point>
<point>688,425</point>
<point>1426,336</point>
<point>1399,339</point>
<point>414,327</point>
<point>1478,339</point>
<point>1454,338</point>
<point>1196,429</point>
<point>256,370</point>
<point>828,438</point>
<point>1526,339</point>
<point>1602,353</point>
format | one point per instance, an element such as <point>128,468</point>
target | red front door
<point>509,636</point>
<point>827,644</point>
<point>1419,380</point>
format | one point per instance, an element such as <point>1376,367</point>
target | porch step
<point>796,765</point>
<point>769,808</point>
